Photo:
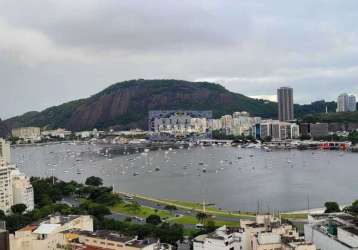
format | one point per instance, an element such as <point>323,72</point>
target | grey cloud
<point>55,51</point>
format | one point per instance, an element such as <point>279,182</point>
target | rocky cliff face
<point>4,130</point>
<point>126,105</point>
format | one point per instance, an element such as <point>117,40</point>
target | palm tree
<point>201,217</point>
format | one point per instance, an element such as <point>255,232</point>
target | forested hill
<point>126,104</point>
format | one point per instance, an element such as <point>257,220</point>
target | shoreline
<point>195,206</point>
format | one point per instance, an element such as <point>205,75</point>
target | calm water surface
<point>230,177</point>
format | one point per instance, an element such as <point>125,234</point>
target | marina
<point>231,177</point>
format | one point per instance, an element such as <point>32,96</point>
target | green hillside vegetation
<point>53,117</point>
<point>343,117</point>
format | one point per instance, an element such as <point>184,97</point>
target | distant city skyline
<point>72,50</point>
<point>346,103</point>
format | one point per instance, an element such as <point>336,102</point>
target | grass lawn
<point>144,212</point>
<point>141,212</point>
<point>189,205</point>
<point>186,219</point>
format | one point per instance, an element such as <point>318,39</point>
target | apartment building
<point>5,151</point>
<point>111,240</point>
<point>224,238</point>
<point>276,130</point>
<point>27,133</point>
<point>6,194</point>
<point>22,190</point>
<point>15,187</point>
<point>332,231</point>
<point>49,234</point>
<point>265,233</point>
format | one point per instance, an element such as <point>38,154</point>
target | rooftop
<point>352,230</point>
<point>108,235</point>
<point>142,243</point>
<point>60,219</point>
<point>31,227</point>
<point>200,238</point>
<point>46,228</point>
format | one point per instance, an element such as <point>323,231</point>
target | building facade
<point>275,129</point>
<point>332,231</point>
<point>285,104</point>
<point>265,233</point>
<point>111,240</point>
<point>4,237</point>
<point>224,238</point>
<point>22,190</point>
<point>177,123</point>
<point>352,103</point>
<point>318,129</point>
<point>5,151</point>
<point>342,103</point>
<point>27,133</point>
<point>6,195</point>
<point>15,188</point>
<point>49,234</point>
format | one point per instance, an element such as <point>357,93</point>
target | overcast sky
<point>59,50</point>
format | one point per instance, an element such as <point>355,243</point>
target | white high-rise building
<point>5,151</point>
<point>242,123</point>
<point>215,124</point>
<point>15,187</point>
<point>6,200</point>
<point>227,122</point>
<point>22,191</point>
<point>352,103</point>
<point>27,133</point>
<point>342,102</point>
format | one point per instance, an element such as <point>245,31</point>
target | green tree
<point>128,219</point>
<point>2,214</point>
<point>153,219</point>
<point>98,210</point>
<point>353,137</point>
<point>267,139</point>
<point>94,181</point>
<point>353,209</point>
<point>201,217</point>
<point>210,225</point>
<point>169,233</point>
<point>331,207</point>
<point>170,208</point>
<point>18,208</point>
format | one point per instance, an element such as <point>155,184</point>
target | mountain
<point>4,130</point>
<point>126,104</point>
